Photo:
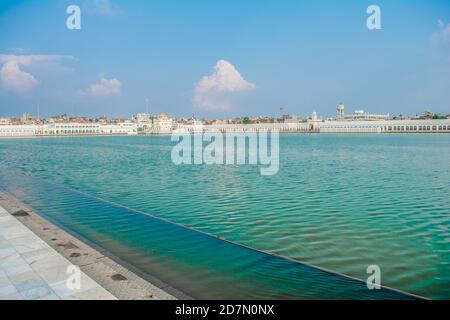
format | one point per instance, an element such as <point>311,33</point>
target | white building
<point>68,129</point>
<point>362,123</point>
<point>246,128</point>
<point>316,125</point>
<point>142,118</point>
<point>162,124</point>
<point>143,121</point>
<point>387,126</point>
<point>358,115</point>
<point>19,131</point>
<point>5,121</point>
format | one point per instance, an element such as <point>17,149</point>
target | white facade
<point>359,115</point>
<point>142,118</point>
<point>330,126</point>
<point>166,126</point>
<point>243,128</point>
<point>5,121</point>
<point>68,129</point>
<point>387,126</point>
<point>19,131</point>
<point>162,125</point>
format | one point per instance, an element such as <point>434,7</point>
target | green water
<point>341,202</point>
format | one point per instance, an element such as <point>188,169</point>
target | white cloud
<point>441,37</point>
<point>106,87</point>
<point>101,7</point>
<point>16,80</point>
<point>13,78</point>
<point>27,60</point>
<point>214,91</point>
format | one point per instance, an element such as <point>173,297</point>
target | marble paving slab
<point>31,270</point>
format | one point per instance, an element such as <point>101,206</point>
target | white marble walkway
<point>31,270</point>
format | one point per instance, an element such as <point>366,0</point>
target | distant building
<point>68,129</point>
<point>144,122</point>
<point>102,120</point>
<point>358,122</point>
<point>358,115</point>
<point>265,120</point>
<point>219,122</point>
<point>78,119</point>
<point>5,121</point>
<point>341,111</point>
<point>162,124</point>
<point>142,118</point>
<point>290,119</point>
<point>386,126</point>
<point>119,120</point>
<point>427,115</point>
<point>60,118</point>
<point>28,119</point>
<point>314,122</point>
<point>15,121</point>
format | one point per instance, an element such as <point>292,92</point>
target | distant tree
<point>439,116</point>
<point>247,120</point>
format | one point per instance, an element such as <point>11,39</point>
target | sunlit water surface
<point>340,202</point>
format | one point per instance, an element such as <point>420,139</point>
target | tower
<point>341,111</point>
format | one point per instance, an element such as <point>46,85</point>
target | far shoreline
<point>236,133</point>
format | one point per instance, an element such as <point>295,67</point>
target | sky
<point>223,58</point>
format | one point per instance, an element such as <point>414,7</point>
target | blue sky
<point>302,56</point>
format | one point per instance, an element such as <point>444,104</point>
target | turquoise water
<point>340,202</point>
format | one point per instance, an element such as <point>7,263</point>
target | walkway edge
<point>117,277</point>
